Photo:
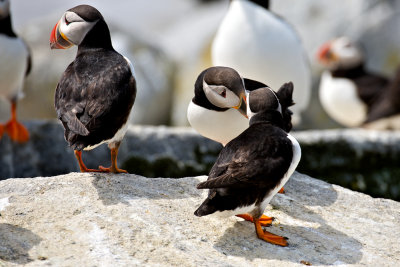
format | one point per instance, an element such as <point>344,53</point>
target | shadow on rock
<point>321,246</point>
<point>113,189</point>
<point>16,243</point>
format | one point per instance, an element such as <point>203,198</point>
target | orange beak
<point>58,40</point>
<point>324,53</point>
<point>242,107</point>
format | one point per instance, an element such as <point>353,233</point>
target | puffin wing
<point>256,163</point>
<point>85,102</point>
<point>389,101</point>
<point>252,85</point>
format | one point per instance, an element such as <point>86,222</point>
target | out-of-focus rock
<point>358,159</point>
<point>151,151</point>
<point>128,220</point>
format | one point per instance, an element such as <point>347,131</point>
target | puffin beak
<point>58,40</point>
<point>242,107</point>
<point>325,54</point>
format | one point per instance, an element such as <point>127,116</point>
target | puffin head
<point>4,8</point>
<point>223,87</point>
<point>73,26</point>
<point>265,101</point>
<point>340,53</point>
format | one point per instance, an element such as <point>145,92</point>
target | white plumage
<point>263,47</point>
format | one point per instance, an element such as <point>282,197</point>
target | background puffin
<point>218,108</point>
<point>95,95</point>
<point>353,96</point>
<point>263,47</point>
<point>16,65</point>
<point>252,168</point>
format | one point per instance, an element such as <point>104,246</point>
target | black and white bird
<point>218,108</point>
<point>253,167</point>
<point>15,66</point>
<point>352,95</point>
<point>96,93</point>
<point>262,46</point>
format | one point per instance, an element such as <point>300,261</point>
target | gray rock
<point>127,220</point>
<point>152,151</point>
<point>361,160</point>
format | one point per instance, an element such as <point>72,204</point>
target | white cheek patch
<point>77,27</point>
<point>216,99</point>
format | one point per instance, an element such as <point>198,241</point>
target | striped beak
<point>242,107</point>
<point>325,54</point>
<point>58,40</point>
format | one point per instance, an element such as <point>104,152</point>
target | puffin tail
<point>205,208</point>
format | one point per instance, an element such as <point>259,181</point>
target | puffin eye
<point>223,93</point>
<point>66,21</point>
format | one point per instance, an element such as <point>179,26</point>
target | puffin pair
<point>255,165</point>
<point>16,65</point>
<point>96,93</point>
<point>262,46</point>
<point>353,96</point>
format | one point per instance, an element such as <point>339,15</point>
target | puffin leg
<point>13,128</point>
<point>264,220</point>
<point>78,155</point>
<point>269,237</point>
<point>282,191</point>
<point>114,154</point>
<point>1,130</point>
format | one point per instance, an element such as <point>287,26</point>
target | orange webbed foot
<point>269,237</point>
<point>282,191</point>
<point>17,132</point>
<point>112,170</point>
<point>264,220</point>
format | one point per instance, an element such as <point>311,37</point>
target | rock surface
<point>358,159</point>
<point>127,220</point>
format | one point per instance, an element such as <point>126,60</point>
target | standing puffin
<point>16,65</point>
<point>353,96</point>
<point>262,46</point>
<point>95,95</point>
<point>252,168</point>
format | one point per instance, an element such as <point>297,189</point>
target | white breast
<point>219,126</point>
<point>262,47</point>
<point>339,99</point>
<point>13,58</point>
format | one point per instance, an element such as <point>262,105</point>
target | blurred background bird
<point>95,95</point>
<point>15,66</point>
<point>263,46</point>
<point>353,95</point>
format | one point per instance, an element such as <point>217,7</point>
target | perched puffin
<point>262,46</point>
<point>16,65</point>
<point>95,95</point>
<point>350,94</point>
<point>252,168</point>
<point>218,108</point>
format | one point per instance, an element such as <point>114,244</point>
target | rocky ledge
<point>128,220</point>
<point>361,160</point>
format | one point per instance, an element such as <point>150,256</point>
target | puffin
<point>218,110</point>
<point>96,93</point>
<point>253,167</point>
<point>262,46</point>
<point>352,95</point>
<point>16,59</point>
